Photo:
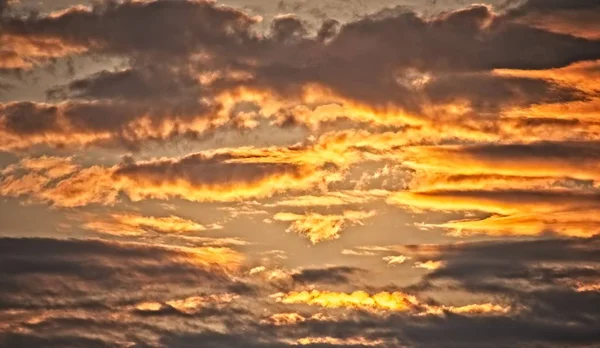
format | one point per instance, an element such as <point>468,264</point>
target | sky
<point>408,173</point>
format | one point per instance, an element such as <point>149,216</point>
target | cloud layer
<point>176,172</point>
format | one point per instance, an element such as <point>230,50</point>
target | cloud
<point>568,17</point>
<point>473,120</point>
<point>190,305</point>
<point>545,269</point>
<point>395,260</point>
<point>356,341</point>
<point>319,228</point>
<point>327,275</point>
<point>577,160</point>
<point>126,224</point>
<point>381,302</point>
<point>329,199</point>
<point>287,69</point>
<point>223,176</point>
<point>93,267</point>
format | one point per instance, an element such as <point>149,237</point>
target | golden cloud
<point>135,224</point>
<point>383,302</point>
<point>319,228</point>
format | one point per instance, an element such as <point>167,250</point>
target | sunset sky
<point>321,173</point>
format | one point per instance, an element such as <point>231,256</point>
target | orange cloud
<point>566,212</point>
<point>430,265</point>
<point>319,228</point>
<point>134,224</point>
<point>579,223</point>
<point>383,302</point>
<point>225,258</point>
<point>559,160</point>
<point>595,287</point>
<point>25,52</point>
<point>68,124</point>
<point>189,305</point>
<point>282,319</point>
<point>361,300</point>
<point>352,341</point>
<point>193,304</point>
<point>395,260</point>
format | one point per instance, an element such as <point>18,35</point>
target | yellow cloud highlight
<point>361,300</point>
<point>430,265</point>
<point>352,341</point>
<point>319,228</point>
<point>595,287</point>
<point>383,302</point>
<point>579,223</point>
<point>507,202</point>
<point>395,260</point>
<point>328,106</point>
<point>533,161</point>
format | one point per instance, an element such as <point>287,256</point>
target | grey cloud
<point>328,275</point>
<point>361,60</point>
<point>541,275</point>
<point>199,169</point>
<point>568,151</point>
<point>25,118</point>
<point>178,27</point>
<point>76,271</point>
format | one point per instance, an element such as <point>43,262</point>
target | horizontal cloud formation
<point>239,174</point>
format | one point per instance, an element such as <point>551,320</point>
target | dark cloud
<point>473,266</point>
<point>438,60</point>
<point>3,6</point>
<point>487,92</point>
<point>287,28</point>
<point>574,152</point>
<point>180,59</point>
<point>149,84</point>
<point>546,277</point>
<point>179,27</point>
<point>114,122</point>
<point>84,273</point>
<point>20,340</point>
<point>329,275</point>
<point>205,170</point>
<point>579,18</point>
<point>25,118</point>
<point>459,331</point>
